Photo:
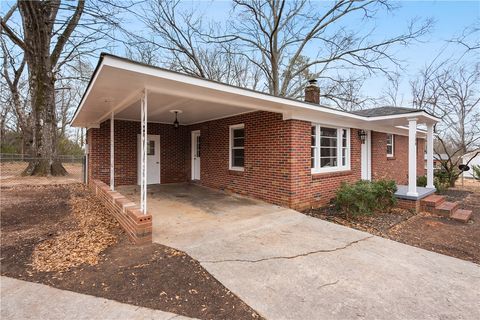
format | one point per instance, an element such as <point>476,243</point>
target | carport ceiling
<point>192,111</point>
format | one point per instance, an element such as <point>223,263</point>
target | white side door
<point>366,157</point>
<point>196,147</point>
<point>153,159</point>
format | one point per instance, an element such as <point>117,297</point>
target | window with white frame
<point>237,147</point>
<point>330,149</point>
<point>390,145</point>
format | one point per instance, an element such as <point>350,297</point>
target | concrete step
<point>446,208</point>
<point>461,215</point>
<point>431,202</point>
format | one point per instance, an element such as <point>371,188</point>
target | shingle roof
<point>384,111</point>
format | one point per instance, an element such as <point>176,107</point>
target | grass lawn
<point>60,235</point>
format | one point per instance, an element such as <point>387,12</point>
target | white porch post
<point>430,156</point>
<point>112,153</point>
<point>143,153</point>
<point>412,157</point>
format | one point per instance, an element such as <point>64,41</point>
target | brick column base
<point>413,205</point>
<point>137,225</point>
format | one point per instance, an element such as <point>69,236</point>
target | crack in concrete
<point>328,284</point>
<point>291,257</point>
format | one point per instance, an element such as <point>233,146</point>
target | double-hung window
<point>390,145</point>
<point>330,149</point>
<point>237,147</point>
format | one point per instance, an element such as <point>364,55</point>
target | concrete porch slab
<point>422,192</point>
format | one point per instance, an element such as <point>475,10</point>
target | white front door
<point>153,159</point>
<point>196,155</point>
<point>366,157</point>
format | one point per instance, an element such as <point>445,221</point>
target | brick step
<point>461,215</point>
<point>431,202</point>
<point>446,208</point>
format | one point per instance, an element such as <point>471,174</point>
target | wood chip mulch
<point>71,248</point>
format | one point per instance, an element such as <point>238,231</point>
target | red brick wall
<point>137,225</point>
<point>172,155</point>
<point>396,167</point>
<point>318,189</point>
<point>267,173</point>
<point>277,158</point>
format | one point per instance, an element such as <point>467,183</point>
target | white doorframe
<point>152,176</point>
<point>366,157</point>
<point>195,174</point>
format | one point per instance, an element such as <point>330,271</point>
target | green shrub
<point>476,171</point>
<point>441,181</point>
<point>422,181</point>
<point>365,197</point>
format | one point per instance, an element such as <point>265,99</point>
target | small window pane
<point>238,142</point>
<point>238,157</point>
<point>239,133</point>
<point>328,152</point>
<point>328,162</point>
<point>151,148</point>
<point>198,146</point>
<point>328,142</point>
<point>389,150</point>
<point>328,132</point>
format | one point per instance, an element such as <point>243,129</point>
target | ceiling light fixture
<point>176,124</point>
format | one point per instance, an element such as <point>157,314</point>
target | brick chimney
<point>312,92</point>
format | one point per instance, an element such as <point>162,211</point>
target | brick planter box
<point>137,225</point>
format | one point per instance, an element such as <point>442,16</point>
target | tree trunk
<point>38,29</point>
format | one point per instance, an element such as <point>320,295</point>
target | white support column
<point>430,156</point>
<point>412,157</point>
<point>112,153</point>
<point>143,153</point>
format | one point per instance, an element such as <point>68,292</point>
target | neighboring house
<point>437,160</point>
<point>286,152</point>
<point>474,158</point>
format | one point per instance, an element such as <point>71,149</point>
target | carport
<point>124,90</point>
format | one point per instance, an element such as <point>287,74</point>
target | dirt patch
<point>427,231</point>
<point>152,276</point>
<point>378,224</point>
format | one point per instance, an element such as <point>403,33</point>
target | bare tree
<point>391,93</point>
<point>451,92</point>
<point>277,33</point>
<point>50,35</point>
<point>16,92</point>
<point>177,41</point>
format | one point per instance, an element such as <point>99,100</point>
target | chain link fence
<point>13,165</point>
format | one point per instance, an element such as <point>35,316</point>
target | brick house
<point>146,125</point>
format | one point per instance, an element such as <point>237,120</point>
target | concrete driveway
<point>290,266</point>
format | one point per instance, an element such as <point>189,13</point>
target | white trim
<point>230,146</point>
<point>366,157</point>
<point>97,72</point>
<point>192,154</point>
<point>338,168</point>
<point>112,152</point>
<point>412,157</point>
<point>391,155</point>
<point>430,179</point>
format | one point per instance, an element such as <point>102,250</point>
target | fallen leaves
<point>95,232</point>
